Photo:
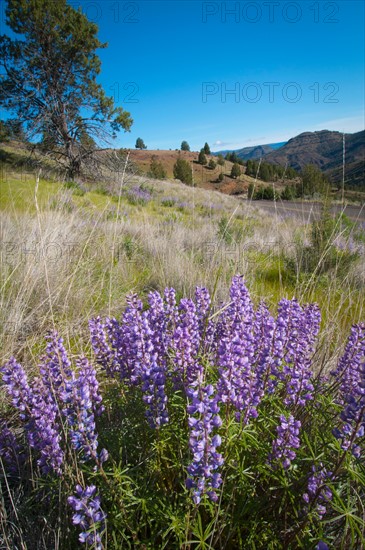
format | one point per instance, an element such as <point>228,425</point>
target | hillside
<point>324,149</point>
<point>203,176</point>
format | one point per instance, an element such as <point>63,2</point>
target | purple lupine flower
<point>89,515</point>
<point>321,546</point>
<point>55,366</point>
<point>283,446</point>
<point>185,344</point>
<point>203,419</point>
<point>152,373</point>
<point>10,451</point>
<point>16,382</point>
<point>318,490</point>
<point>157,320</point>
<point>203,302</point>
<point>264,328</point>
<point>102,350</point>
<point>295,334</point>
<point>207,327</point>
<point>352,367</point>
<point>237,378</point>
<point>348,368</point>
<point>43,429</point>
<point>39,412</point>
<point>82,401</point>
<point>131,340</point>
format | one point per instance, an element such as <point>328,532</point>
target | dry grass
<point>71,256</point>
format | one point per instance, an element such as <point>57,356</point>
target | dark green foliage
<point>268,172</point>
<point>140,144</point>
<point>250,191</point>
<point>202,159</point>
<point>157,170</point>
<point>50,79</point>
<point>263,192</point>
<point>232,157</point>
<point>206,149</point>
<point>235,171</point>
<point>212,165</point>
<point>185,146</point>
<point>221,177</point>
<point>182,171</point>
<point>11,129</point>
<point>220,160</point>
<point>313,182</point>
<point>289,193</point>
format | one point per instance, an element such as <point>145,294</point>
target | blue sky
<point>290,67</point>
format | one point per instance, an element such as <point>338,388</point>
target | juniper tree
<point>49,81</point>
<point>235,171</point>
<point>140,144</point>
<point>202,158</point>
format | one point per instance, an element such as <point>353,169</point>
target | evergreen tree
<point>185,146</point>
<point>236,171</point>
<point>212,164</point>
<point>202,159</point>
<point>221,177</point>
<point>206,149</point>
<point>221,161</point>
<point>313,181</point>
<point>157,170</point>
<point>288,193</point>
<point>49,79</point>
<point>140,144</point>
<point>265,173</point>
<point>182,171</point>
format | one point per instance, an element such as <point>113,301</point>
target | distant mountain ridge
<point>253,152</point>
<point>324,149</point>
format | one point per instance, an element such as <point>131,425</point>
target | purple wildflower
<point>186,342</point>
<point>83,401</point>
<point>295,334</point>
<point>153,376</point>
<point>283,446</point>
<point>203,419</point>
<point>39,412</point>
<point>102,350</point>
<point>55,367</point>
<point>352,368</point>
<point>88,516</point>
<point>237,378</point>
<point>348,368</point>
<point>317,490</point>
<point>10,451</point>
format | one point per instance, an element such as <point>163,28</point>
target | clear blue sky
<point>294,66</point>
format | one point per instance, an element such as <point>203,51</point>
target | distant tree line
<point>269,172</point>
<point>312,184</point>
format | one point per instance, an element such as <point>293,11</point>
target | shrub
<point>183,172</point>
